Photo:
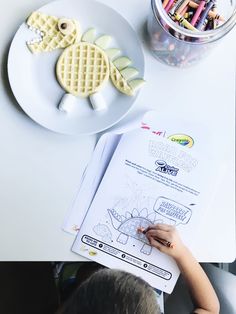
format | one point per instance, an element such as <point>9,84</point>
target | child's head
<point>112,291</point>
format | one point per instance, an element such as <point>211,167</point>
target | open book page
<point>149,180</point>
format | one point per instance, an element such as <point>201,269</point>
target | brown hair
<point>112,292</point>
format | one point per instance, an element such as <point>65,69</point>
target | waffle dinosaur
<point>86,63</point>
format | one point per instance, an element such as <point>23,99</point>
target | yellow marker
<point>184,22</point>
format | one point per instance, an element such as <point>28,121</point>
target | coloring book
<point>187,133</point>
<point>149,179</point>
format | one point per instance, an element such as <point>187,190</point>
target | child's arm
<point>201,290</point>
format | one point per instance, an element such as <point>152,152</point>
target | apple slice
<point>122,63</point>
<point>89,36</point>
<point>129,72</point>
<point>103,41</point>
<point>136,84</point>
<point>112,53</point>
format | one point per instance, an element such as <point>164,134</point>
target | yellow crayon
<point>188,15</point>
<point>184,22</point>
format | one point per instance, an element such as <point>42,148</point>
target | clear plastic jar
<point>175,45</point>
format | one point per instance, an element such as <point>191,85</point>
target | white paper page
<point>158,124</point>
<point>90,182</point>
<point>132,186</point>
<point>187,132</point>
<point>93,174</point>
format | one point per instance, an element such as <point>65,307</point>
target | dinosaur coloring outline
<point>127,226</point>
<point>104,232</point>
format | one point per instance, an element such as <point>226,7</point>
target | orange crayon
<point>164,3</point>
<point>184,10</point>
<point>182,7</point>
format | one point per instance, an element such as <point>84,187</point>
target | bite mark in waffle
<point>50,35</point>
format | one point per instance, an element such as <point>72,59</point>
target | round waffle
<point>82,69</point>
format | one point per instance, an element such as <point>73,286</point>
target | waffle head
<point>52,32</point>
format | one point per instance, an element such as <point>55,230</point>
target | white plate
<point>33,81</point>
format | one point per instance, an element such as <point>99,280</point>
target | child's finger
<point>165,227</point>
<point>154,243</point>
<point>165,235</point>
<point>158,245</point>
<point>151,227</point>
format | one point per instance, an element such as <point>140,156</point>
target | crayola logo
<point>182,139</point>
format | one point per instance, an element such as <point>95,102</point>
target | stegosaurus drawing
<point>127,226</point>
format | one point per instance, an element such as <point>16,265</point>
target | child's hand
<point>165,233</point>
<point>203,294</point>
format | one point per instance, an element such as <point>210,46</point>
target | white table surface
<point>40,170</point>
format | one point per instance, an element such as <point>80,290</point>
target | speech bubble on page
<point>172,210</point>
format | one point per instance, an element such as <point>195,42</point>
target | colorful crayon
<point>203,17</point>
<point>204,11</point>
<point>173,47</point>
<point>164,3</point>
<point>176,6</point>
<point>184,22</point>
<point>198,12</point>
<point>169,5</point>
<point>188,15</point>
<point>185,10</point>
<point>215,21</point>
<point>182,7</point>
<point>211,13</point>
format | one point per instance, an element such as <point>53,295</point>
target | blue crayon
<point>205,14</point>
